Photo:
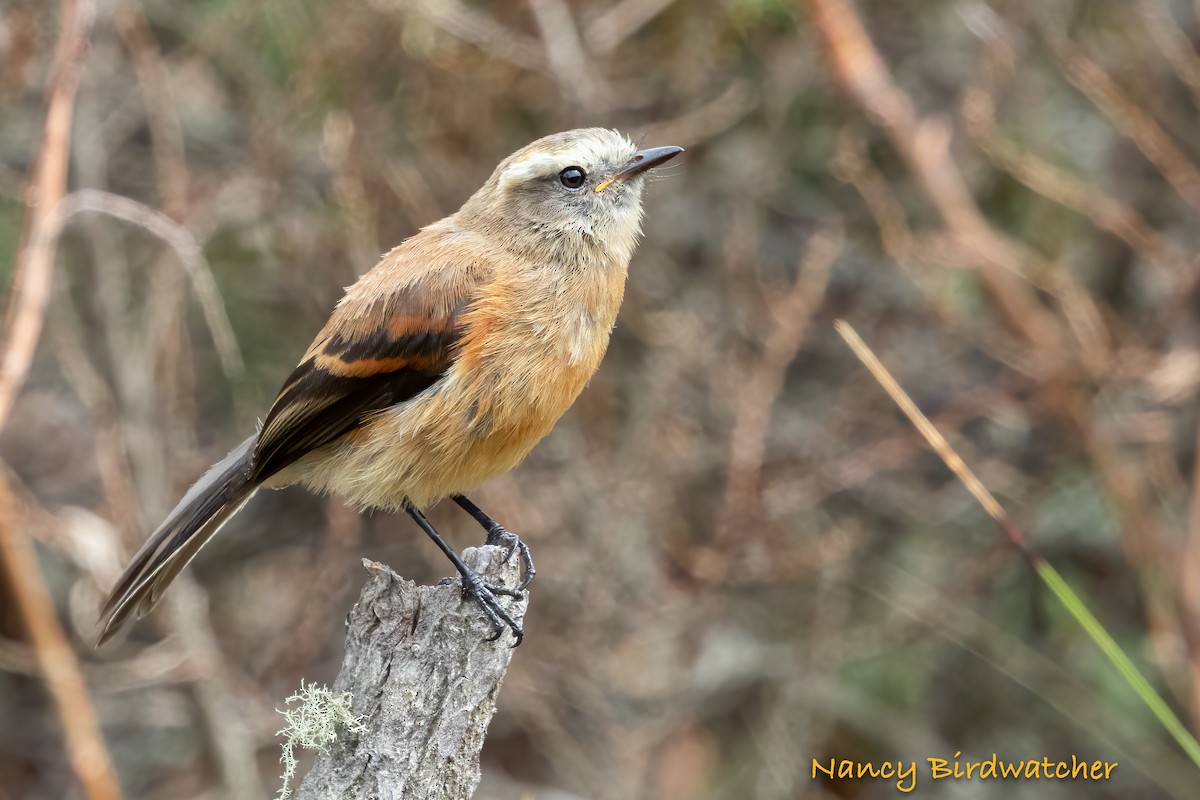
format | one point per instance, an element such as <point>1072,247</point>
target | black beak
<point>642,160</point>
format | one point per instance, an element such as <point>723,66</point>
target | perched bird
<point>443,365</point>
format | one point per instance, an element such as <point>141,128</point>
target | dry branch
<point>424,681</point>
<point>179,239</point>
<point>35,255</point>
<point>1128,117</point>
<point>1058,185</point>
<point>478,28</point>
<point>87,753</point>
<point>1008,266</point>
<point>606,33</point>
<point>56,660</point>
<point>791,312</point>
<point>924,144</point>
<point>565,54</point>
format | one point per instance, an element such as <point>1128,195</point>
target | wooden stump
<point>424,681</point>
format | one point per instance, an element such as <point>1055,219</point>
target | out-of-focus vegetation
<point>747,559</point>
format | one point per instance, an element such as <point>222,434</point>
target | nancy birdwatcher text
<point>907,774</point>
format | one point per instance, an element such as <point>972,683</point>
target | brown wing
<point>372,354</point>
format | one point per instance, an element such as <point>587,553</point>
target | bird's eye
<point>572,177</point>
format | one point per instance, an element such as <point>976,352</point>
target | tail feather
<point>207,506</point>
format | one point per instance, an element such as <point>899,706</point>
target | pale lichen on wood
<point>424,681</point>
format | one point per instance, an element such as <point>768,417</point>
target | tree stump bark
<point>424,680</point>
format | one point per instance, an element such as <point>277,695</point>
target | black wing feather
<point>344,381</point>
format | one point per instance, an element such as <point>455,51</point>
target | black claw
<point>473,585</point>
<point>497,535</point>
<point>486,596</point>
<point>500,536</point>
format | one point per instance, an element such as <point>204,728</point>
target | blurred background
<point>747,558</point>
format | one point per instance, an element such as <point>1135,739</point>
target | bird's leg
<point>498,534</point>
<point>474,585</point>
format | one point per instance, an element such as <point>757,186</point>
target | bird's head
<point>579,189</point>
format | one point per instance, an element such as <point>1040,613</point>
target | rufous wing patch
<point>356,367</point>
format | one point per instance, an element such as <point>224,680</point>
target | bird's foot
<point>488,598</point>
<point>500,536</point>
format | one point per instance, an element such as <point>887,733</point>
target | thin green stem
<point>1116,655</point>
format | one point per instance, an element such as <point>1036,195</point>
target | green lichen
<point>314,716</point>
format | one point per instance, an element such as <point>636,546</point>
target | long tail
<point>207,506</point>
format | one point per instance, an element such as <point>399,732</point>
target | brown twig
<point>566,56</point>
<point>938,442</point>
<point>338,147</point>
<point>98,397</point>
<point>1017,538</point>
<point>32,280</point>
<point>918,253</point>
<point>1059,186</point>
<point>479,29</point>
<point>1129,118</point>
<point>606,33</point>
<point>35,254</point>
<point>852,165</point>
<point>785,496</point>
<point>158,104</point>
<point>700,124</point>
<point>57,662</point>
<point>763,385</point>
<point>191,255</point>
<point>924,146</point>
<point>1173,42</point>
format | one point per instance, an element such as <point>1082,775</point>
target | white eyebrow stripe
<point>588,153</point>
<point>535,166</point>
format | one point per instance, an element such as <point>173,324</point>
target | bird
<point>442,366</point>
